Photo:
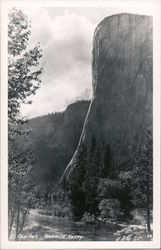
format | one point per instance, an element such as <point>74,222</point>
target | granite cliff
<point>121,107</point>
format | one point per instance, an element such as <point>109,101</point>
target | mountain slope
<point>55,138</point>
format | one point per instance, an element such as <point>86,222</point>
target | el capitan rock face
<point>121,107</point>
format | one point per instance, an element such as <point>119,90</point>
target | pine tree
<point>92,178</point>
<point>143,178</point>
<point>75,183</point>
<point>99,159</point>
<point>107,171</point>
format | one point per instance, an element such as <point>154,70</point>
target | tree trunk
<point>25,216</point>
<point>23,220</point>
<point>17,221</point>
<point>11,224</point>
<point>148,220</point>
<point>148,205</point>
<point>13,210</point>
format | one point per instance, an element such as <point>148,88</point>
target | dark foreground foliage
<point>99,187</point>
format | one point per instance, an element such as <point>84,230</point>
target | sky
<point>65,35</point>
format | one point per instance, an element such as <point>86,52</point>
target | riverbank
<point>125,230</point>
<point>42,227</point>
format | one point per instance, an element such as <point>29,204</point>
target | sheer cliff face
<point>122,82</point>
<point>121,107</point>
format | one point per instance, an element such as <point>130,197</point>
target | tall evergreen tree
<point>107,168</point>
<point>91,179</point>
<point>143,178</point>
<point>75,183</point>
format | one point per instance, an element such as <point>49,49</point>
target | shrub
<point>132,233</point>
<point>87,217</point>
<point>110,209</point>
<point>139,217</point>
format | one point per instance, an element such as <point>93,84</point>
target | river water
<point>48,228</point>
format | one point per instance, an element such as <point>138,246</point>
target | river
<point>48,228</point>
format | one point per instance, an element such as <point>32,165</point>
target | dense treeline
<point>99,187</point>
<point>90,165</point>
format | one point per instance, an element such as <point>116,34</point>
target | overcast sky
<point>65,35</point>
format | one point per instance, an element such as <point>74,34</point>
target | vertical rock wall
<point>121,107</point>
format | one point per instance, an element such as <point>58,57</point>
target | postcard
<point>80,124</point>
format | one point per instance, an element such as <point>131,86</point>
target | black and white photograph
<point>81,123</point>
